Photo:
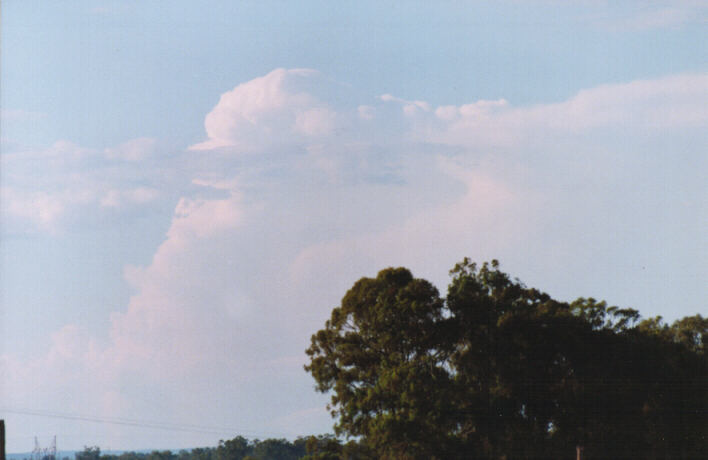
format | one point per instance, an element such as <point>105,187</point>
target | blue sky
<point>188,189</point>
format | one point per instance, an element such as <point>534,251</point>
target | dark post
<point>2,439</point>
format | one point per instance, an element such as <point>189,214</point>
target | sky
<point>187,189</point>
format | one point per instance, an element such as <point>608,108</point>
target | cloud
<point>266,110</point>
<point>47,189</point>
<point>315,122</point>
<point>40,208</point>
<point>480,222</point>
<point>259,248</point>
<point>195,334</point>
<point>366,112</point>
<point>202,218</point>
<point>665,103</point>
<point>191,317</point>
<point>74,365</point>
<point>133,150</point>
<point>139,195</point>
<point>639,108</point>
<point>176,328</point>
<point>410,108</point>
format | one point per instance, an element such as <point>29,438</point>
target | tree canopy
<point>496,369</point>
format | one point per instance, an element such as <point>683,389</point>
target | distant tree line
<point>323,447</point>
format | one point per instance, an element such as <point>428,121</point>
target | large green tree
<point>500,370</point>
<point>384,354</point>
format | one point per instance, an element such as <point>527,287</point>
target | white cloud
<point>139,195</point>
<point>266,110</point>
<point>204,217</point>
<point>315,122</point>
<point>643,107</point>
<point>72,375</point>
<point>410,108</point>
<point>39,208</point>
<point>480,222</point>
<point>447,112</point>
<point>45,189</point>
<point>676,101</point>
<point>177,316</point>
<point>133,150</point>
<point>366,112</point>
<point>175,319</point>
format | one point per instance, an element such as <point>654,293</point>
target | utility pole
<point>2,439</point>
<point>579,453</point>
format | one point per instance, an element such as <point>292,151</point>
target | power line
<point>190,428</point>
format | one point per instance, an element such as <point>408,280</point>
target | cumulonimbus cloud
<point>267,110</point>
<point>250,266</point>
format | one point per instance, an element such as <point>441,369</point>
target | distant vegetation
<point>303,448</point>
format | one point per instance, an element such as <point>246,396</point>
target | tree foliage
<point>499,370</point>
<point>382,354</point>
<point>89,453</point>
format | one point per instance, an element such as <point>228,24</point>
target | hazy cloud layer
<point>47,189</point>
